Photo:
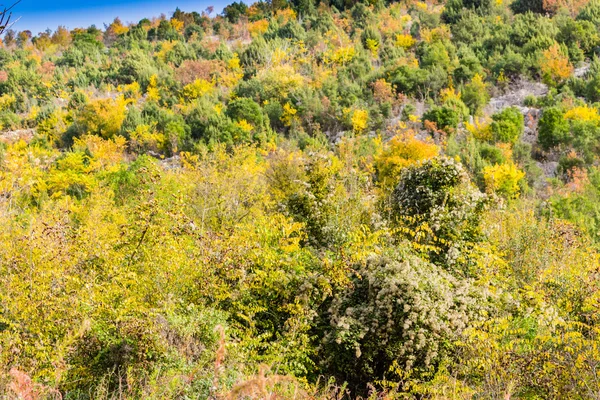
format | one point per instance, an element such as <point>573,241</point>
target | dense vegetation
<point>304,200</point>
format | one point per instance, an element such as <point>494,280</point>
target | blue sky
<point>38,15</point>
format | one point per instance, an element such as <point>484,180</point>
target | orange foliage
<point>555,65</point>
<point>191,70</point>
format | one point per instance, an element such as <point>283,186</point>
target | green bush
<point>438,196</point>
<point>553,128</point>
<point>507,125</point>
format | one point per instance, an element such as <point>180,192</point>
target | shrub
<point>436,196</point>
<point>396,323</point>
<point>246,109</point>
<point>507,125</point>
<point>553,128</point>
<point>503,179</point>
<point>103,117</point>
<point>401,151</point>
<point>445,118</point>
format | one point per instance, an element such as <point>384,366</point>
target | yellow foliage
<point>359,119</point>
<point>257,28</point>
<point>7,101</point>
<point>165,48</point>
<point>555,65</point>
<point>197,89</point>
<point>145,138</point>
<point>152,93</point>
<point>103,117</point>
<point>279,56</point>
<point>131,91</point>
<point>245,126</point>
<point>105,152</point>
<point>280,80</point>
<point>449,94</point>
<point>340,56</point>
<point>402,150</point>
<point>285,15</point>
<point>583,113</point>
<point>503,179</point>
<point>405,40</point>
<point>177,25</point>
<point>373,46</point>
<point>234,62</point>
<point>481,129</point>
<point>289,114</point>
<point>436,34</point>
<point>117,27</point>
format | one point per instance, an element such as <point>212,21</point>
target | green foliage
<point>445,117</point>
<point>507,125</point>
<point>553,128</point>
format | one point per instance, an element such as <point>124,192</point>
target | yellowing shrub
<point>197,89</point>
<point>404,40</point>
<point>503,179</point>
<point>103,117</point>
<point>360,120</point>
<point>401,151</point>
<point>584,113</point>
<point>257,28</point>
<point>555,65</point>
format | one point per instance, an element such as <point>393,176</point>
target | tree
<point>475,95</point>
<point>507,125</point>
<point>553,128</point>
<point>234,11</point>
<point>555,66</point>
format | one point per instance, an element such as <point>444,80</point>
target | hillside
<point>304,201</point>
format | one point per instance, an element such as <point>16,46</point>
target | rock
<point>549,167</point>
<point>171,163</point>
<point>581,71</point>
<point>516,95</point>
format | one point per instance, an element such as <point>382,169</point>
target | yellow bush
<point>152,93</point>
<point>480,129</point>
<point>289,114</point>
<point>197,89</point>
<point>145,138</point>
<point>340,56</point>
<point>404,40</point>
<point>279,81</point>
<point>257,28</point>
<point>103,117</point>
<point>583,113</point>
<point>360,120</point>
<point>373,46</point>
<point>503,179</point>
<point>555,65</point>
<point>7,101</point>
<point>402,150</point>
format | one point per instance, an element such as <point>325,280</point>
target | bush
<point>396,323</point>
<point>445,118</point>
<point>437,196</point>
<point>553,128</point>
<point>507,125</point>
<point>504,179</point>
<point>246,109</point>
